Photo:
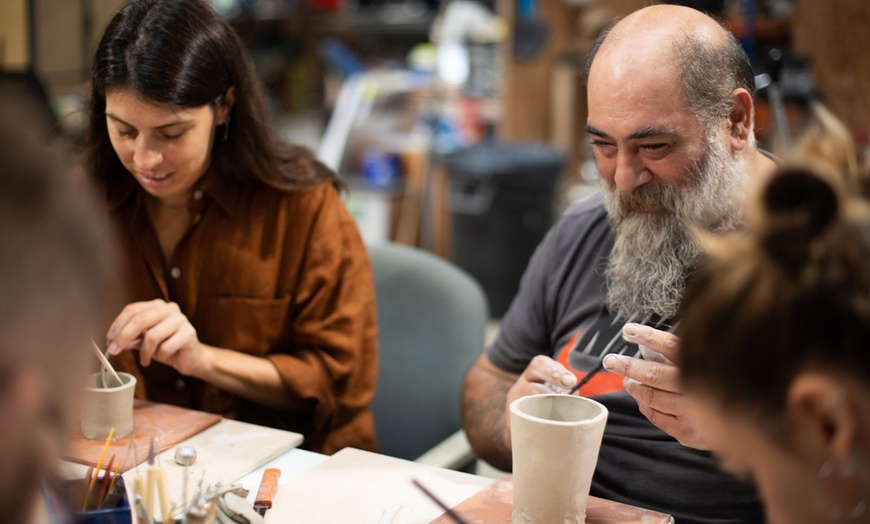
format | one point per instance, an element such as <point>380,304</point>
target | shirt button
<point>197,195</point>
<point>180,385</point>
<point>175,273</point>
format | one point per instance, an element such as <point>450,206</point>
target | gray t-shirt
<point>559,305</point>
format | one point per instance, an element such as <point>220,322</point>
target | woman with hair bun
<point>775,341</point>
<point>248,286</point>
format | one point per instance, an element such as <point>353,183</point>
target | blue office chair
<point>432,321</point>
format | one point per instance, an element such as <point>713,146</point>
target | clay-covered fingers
<point>542,375</point>
<point>548,376</point>
<point>653,374</point>
<point>652,341</point>
<point>656,388</point>
<point>670,412</point>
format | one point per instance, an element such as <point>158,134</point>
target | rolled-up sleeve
<point>332,359</point>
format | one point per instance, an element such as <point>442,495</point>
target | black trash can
<point>502,202</point>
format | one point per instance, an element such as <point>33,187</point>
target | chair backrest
<point>432,321</point>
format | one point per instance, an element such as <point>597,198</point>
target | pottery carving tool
<point>266,491</point>
<point>107,366</point>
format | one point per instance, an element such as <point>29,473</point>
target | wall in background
<point>835,36</point>
<point>13,34</point>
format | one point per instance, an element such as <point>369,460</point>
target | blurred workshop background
<point>458,124</point>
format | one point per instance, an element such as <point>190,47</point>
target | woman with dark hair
<point>250,291</point>
<point>774,342</point>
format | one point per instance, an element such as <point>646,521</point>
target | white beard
<point>654,253</point>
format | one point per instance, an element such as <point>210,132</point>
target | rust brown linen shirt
<point>282,275</point>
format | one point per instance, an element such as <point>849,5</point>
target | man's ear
<point>740,119</point>
<point>223,108</point>
<point>827,414</point>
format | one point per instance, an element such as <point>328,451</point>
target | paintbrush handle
<point>114,480</point>
<point>104,483</point>
<point>99,465</point>
<point>447,509</point>
<point>585,380</point>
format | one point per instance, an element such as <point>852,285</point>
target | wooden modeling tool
<point>107,366</point>
<point>150,480</point>
<point>266,491</point>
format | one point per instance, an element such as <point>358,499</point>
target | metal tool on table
<point>266,491</point>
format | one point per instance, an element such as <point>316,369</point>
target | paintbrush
<point>104,484</point>
<point>447,509</point>
<point>112,484</point>
<point>98,467</point>
<point>606,351</point>
<point>620,348</point>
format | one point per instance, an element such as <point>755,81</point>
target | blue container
<point>380,169</point>
<point>116,510</point>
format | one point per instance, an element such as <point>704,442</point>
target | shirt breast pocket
<point>249,325</point>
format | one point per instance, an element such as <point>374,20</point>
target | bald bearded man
<point>670,122</point>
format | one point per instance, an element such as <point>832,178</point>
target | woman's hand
<point>161,332</point>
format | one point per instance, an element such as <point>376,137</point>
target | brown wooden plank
<point>169,425</point>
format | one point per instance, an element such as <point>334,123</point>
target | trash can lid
<point>507,160</point>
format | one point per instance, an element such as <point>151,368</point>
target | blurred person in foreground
<point>774,339</point>
<point>54,262</point>
<point>670,121</point>
<point>248,287</point>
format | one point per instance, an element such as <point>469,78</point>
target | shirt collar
<point>223,191</point>
<point>220,189</point>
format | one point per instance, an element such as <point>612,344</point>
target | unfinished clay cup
<point>104,408</point>
<point>555,441</point>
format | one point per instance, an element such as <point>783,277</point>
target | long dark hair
<point>183,53</point>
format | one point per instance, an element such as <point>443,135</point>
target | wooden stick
<point>148,496</point>
<point>106,363</point>
<point>165,511</point>
<point>142,515</point>
<point>98,466</point>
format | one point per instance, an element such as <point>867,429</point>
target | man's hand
<point>488,391</point>
<point>654,383</point>
<point>543,375</point>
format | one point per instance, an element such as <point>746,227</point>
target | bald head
<point>694,50</point>
<point>652,28</point>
